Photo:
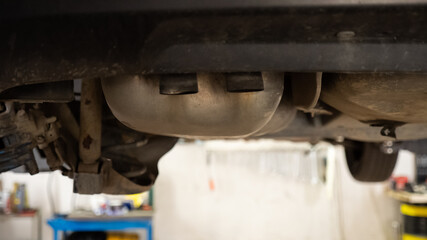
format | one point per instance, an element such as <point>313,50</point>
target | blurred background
<point>261,189</point>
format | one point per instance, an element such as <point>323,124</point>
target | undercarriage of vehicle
<point>104,95</point>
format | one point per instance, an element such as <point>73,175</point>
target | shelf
<point>408,197</point>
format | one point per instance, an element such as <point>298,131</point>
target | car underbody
<point>103,89</point>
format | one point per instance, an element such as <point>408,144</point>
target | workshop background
<point>238,190</point>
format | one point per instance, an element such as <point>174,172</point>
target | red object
<point>147,207</point>
<point>400,182</point>
<point>211,184</point>
<point>28,213</point>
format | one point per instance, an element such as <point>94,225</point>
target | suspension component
<point>90,122</point>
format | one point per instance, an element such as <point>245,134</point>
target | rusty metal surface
<point>213,112</point>
<point>115,183</point>
<point>90,121</point>
<point>306,89</point>
<point>67,119</point>
<point>306,128</point>
<point>377,97</point>
<point>21,130</point>
<point>125,169</point>
<point>284,115</point>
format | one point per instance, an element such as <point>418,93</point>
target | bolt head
<point>346,35</point>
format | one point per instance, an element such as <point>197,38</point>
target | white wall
<point>251,203</point>
<point>261,192</point>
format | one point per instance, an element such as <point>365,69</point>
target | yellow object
<point>413,211</point>
<point>413,237</point>
<point>122,236</point>
<point>137,199</point>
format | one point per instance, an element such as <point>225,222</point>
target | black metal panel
<point>177,84</point>
<point>244,82</point>
<point>62,41</point>
<point>415,225</point>
<point>42,92</point>
<point>19,8</point>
